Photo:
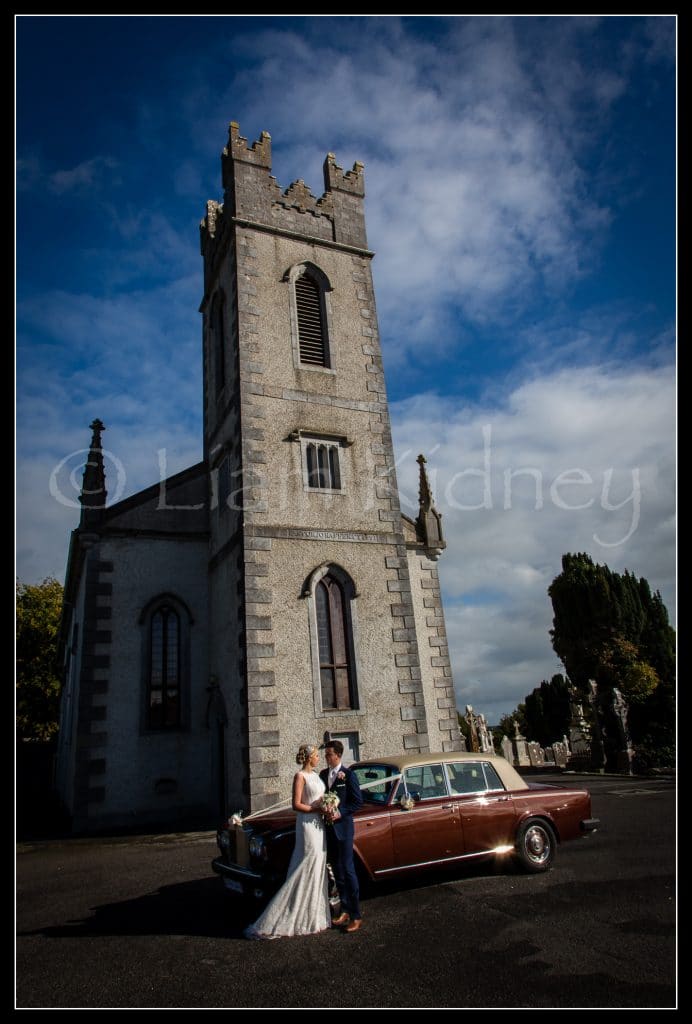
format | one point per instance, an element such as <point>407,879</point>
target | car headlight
<point>257,847</point>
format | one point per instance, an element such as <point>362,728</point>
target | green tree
<point>596,610</point>
<point>622,666</point>
<point>548,711</point>
<point>609,627</point>
<point>38,685</point>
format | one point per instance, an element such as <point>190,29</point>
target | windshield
<point>368,776</point>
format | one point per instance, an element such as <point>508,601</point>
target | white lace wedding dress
<point>301,906</point>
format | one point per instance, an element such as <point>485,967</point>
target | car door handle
<point>448,807</point>
<point>501,799</point>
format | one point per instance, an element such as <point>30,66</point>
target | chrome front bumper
<point>242,881</point>
<point>589,824</point>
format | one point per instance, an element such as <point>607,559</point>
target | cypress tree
<point>609,627</point>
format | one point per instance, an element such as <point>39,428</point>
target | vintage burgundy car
<point>421,812</point>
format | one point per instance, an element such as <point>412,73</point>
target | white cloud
<point>88,175</point>
<point>473,145</point>
<point>145,344</point>
<point>85,175</point>
<point>594,437</point>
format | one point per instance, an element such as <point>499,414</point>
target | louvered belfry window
<point>312,335</point>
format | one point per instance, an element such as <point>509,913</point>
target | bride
<point>301,906</point>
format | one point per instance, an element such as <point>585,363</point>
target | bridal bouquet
<point>330,802</point>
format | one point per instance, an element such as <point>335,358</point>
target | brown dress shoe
<point>353,926</point>
<point>343,918</point>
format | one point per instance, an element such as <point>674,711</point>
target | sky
<point>520,178</point>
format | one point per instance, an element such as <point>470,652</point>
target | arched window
<point>164,669</point>
<point>310,316</point>
<point>312,334</point>
<point>166,623</point>
<point>335,645</point>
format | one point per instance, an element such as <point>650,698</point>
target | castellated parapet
<point>253,197</point>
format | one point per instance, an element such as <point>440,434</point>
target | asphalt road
<point>142,922</point>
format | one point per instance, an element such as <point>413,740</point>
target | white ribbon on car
<point>238,820</point>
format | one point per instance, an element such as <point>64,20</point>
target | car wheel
<point>535,845</point>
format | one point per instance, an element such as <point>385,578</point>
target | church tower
<point>273,593</point>
<point>325,617</point>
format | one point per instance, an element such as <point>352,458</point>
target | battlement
<point>335,179</point>
<point>299,197</point>
<point>260,153</point>
<point>252,194</point>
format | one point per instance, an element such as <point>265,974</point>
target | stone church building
<point>273,593</point>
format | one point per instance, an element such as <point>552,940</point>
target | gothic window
<point>322,465</point>
<point>218,342</point>
<point>312,333</point>
<point>334,643</point>
<point>164,669</point>
<point>165,626</point>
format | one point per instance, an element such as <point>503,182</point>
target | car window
<point>492,778</point>
<point>368,775</point>
<point>466,777</point>
<point>425,781</point>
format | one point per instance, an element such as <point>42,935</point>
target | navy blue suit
<point>340,838</point>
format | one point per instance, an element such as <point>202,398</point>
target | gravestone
<point>561,754</point>
<point>579,745</point>
<point>474,742</point>
<point>597,745</point>
<point>536,754</point>
<point>620,713</point>
<point>485,736</point>
<point>521,751</point>
<point>507,750</point>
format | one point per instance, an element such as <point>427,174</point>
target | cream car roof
<point>509,775</point>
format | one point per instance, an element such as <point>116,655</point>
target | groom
<point>344,783</point>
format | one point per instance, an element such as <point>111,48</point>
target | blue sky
<point>520,196</point>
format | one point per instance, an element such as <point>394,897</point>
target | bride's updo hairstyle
<point>305,752</point>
